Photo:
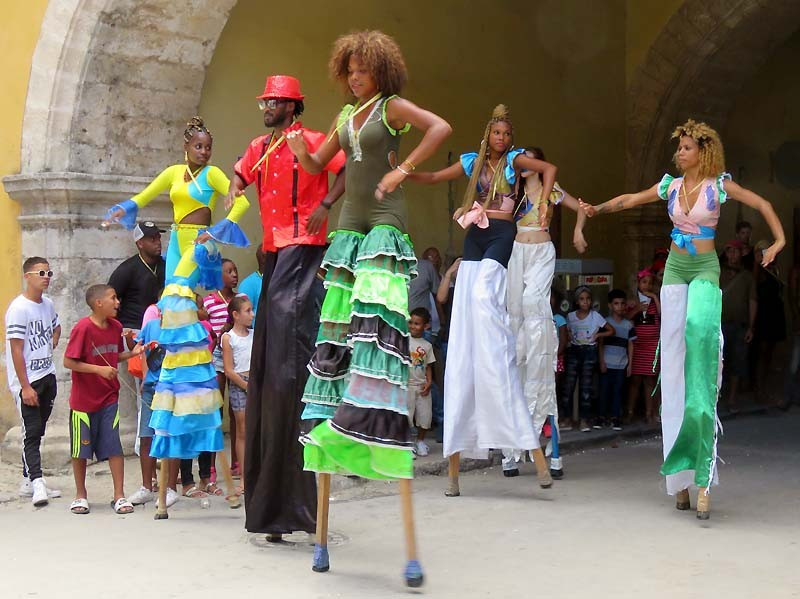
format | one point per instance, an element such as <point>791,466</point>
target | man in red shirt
<point>280,497</point>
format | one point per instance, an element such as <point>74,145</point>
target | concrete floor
<point>606,530</point>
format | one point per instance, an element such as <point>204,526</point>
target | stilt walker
<point>691,306</point>
<point>186,405</point>
<point>359,371</point>
<point>530,278</point>
<point>484,402</point>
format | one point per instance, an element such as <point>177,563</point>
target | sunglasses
<point>271,103</point>
<point>41,273</point>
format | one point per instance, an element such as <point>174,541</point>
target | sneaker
<point>39,493</point>
<point>172,497</point>
<point>422,449</point>
<point>565,425</point>
<point>585,426</point>
<point>26,489</point>
<point>142,496</point>
<point>616,424</point>
<point>598,423</point>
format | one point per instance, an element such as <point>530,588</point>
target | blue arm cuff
<point>128,220</point>
<point>227,231</point>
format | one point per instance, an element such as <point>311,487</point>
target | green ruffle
<point>401,268</point>
<point>663,186</point>
<point>393,319</point>
<point>337,305</point>
<point>338,276</point>
<point>388,241</point>
<point>382,288</point>
<point>315,411</point>
<point>370,360</point>
<point>333,332</point>
<point>343,250</point>
<point>324,391</point>
<point>343,455</point>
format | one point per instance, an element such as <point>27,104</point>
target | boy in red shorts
<point>93,352</point>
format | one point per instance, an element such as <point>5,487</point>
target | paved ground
<point>606,530</point>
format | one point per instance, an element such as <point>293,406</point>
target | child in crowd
<point>32,332</point>
<point>560,322</point>
<point>420,377</point>
<point>616,359</point>
<point>216,305</point>
<point>237,344</point>
<point>93,353</point>
<point>585,327</point>
<point>645,311</point>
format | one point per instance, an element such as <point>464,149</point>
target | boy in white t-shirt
<point>585,327</point>
<point>32,332</point>
<point>420,377</point>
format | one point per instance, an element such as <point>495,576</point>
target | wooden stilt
<point>452,473</point>
<point>163,478</point>
<point>321,561</point>
<point>413,573</point>
<point>542,471</point>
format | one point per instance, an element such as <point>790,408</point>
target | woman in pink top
<point>691,305</point>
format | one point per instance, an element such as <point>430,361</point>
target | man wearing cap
<point>139,280</point>
<point>280,497</point>
<point>739,307</point>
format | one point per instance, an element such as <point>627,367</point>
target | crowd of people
<point>341,353</point>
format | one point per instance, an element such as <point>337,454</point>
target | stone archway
<point>695,68</point>
<point>111,84</point>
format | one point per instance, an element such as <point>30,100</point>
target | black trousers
<point>34,422</point>
<point>280,496</point>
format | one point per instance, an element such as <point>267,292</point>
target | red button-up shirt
<point>287,194</point>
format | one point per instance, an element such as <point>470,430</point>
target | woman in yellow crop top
<point>186,404</point>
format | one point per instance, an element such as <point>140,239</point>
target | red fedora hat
<point>282,86</point>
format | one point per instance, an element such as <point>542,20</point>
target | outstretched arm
<point>578,240</point>
<point>623,202</point>
<point>745,196</point>
<point>454,171</point>
<point>314,162</point>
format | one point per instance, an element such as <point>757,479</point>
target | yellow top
<point>189,196</point>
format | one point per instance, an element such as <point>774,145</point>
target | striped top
<point>217,309</point>
<point>648,332</point>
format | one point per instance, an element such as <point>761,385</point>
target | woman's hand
<point>297,143</point>
<point>114,218</point>
<point>453,268</point>
<point>769,254</point>
<point>587,208</point>
<point>579,242</point>
<point>389,183</point>
<point>202,238</point>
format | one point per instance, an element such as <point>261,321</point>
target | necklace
<point>686,195</point>
<point>222,297</point>
<point>356,110</point>
<point>153,269</point>
<point>193,174</point>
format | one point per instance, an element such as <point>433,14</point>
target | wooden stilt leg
<point>163,477</point>
<point>703,503</point>
<point>321,561</point>
<point>232,498</point>
<point>542,472</point>
<point>452,472</point>
<point>413,573</point>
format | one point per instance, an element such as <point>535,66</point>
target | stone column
<point>60,216</point>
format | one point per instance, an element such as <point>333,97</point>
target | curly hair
<point>378,52</point>
<point>194,126</point>
<point>712,155</point>
<point>499,115</point>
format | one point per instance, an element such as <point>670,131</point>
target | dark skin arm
<point>314,222</point>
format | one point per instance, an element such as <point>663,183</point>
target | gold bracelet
<point>409,163</point>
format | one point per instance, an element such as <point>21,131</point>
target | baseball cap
<point>146,228</point>
<point>734,243</point>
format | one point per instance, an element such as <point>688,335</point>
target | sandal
<point>122,506</point>
<point>79,506</point>
<point>213,489</point>
<point>193,492</point>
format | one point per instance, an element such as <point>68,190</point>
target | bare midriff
<point>702,245</point>
<point>532,236</point>
<point>500,214</point>
<point>201,216</point>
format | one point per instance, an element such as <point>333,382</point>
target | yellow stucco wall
<point>553,62</point>
<point>21,24</point>
<point>644,20</point>
<point>764,116</point>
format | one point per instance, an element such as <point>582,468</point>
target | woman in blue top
<point>484,403</point>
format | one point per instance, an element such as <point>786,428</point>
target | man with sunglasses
<point>32,333</point>
<point>281,497</point>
